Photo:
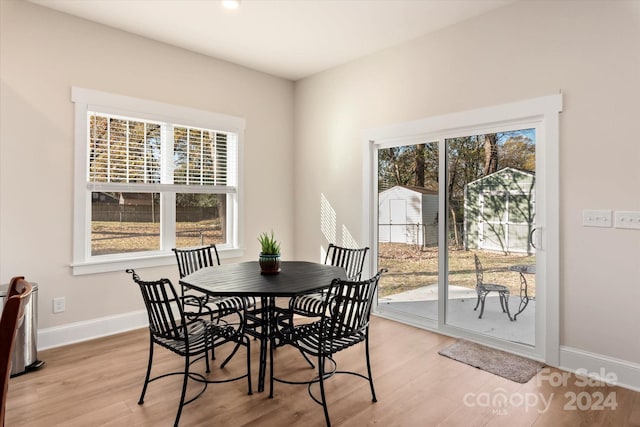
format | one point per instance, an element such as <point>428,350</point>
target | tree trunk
<point>420,165</point>
<point>490,153</point>
<point>456,238</point>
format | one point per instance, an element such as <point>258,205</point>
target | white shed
<point>408,214</point>
<point>499,212</point>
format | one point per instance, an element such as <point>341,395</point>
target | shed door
<point>493,221</point>
<point>505,222</point>
<point>397,219</point>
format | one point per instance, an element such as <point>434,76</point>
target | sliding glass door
<point>463,217</point>
<point>491,203</point>
<point>408,235</point>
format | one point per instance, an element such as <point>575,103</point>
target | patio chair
<point>12,317</point>
<point>191,338</point>
<point>344,322</point>
<point>485,288</point>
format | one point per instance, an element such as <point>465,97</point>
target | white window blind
<point>124,150</point>
<point>200,156</point>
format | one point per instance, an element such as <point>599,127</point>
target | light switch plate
<point>596,218</point>
<point>59,305</point>
<point>628,219</point>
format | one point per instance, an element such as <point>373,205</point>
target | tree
<point>408,165</point>
<point>519,152</point>
<point>420,164</point>
<point>490,153</point>
<point>395,166</point>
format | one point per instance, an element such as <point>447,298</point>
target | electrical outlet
<point>628,219</point>
<point>596,218</point>
<point>59,305</point>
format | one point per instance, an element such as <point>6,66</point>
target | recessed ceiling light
<point>231,4</point>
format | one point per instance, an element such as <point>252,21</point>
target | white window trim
<point>91,100</point>
<point>542,114</point>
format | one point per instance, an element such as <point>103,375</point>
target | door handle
<point>531,242</point>
<point>536,242</point>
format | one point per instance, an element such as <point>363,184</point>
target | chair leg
<point>506,305</point>
<point>373,392</point>
<point>184,390</point>
<point>146,378</point>
<point>502,302</point>
<point>477,303</point>
<point>270,368</point>
<point>482,305</point>
<point>307,359</point>
<point>248,344</point>
<point>322,394</point>
<point>206,353</point>
<point>238,344</point>
<point>213,348</point>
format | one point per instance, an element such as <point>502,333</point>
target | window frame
<point>86,100</point>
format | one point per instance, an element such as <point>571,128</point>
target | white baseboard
<point>604,368</point>
<point>91,329</point>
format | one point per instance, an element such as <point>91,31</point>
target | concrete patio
<point>423,302</point>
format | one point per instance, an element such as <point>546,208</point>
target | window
<point>149,177</point>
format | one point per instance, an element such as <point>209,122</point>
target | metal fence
<point>147,213</point>
<point>427,235</point>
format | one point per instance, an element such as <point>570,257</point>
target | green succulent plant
<point>269,244</point>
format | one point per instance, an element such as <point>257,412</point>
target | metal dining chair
<point>189,337</point>
<point>311,305</point>
<point>352,260</point>
<point>192,259</point>
<point>344,322</point>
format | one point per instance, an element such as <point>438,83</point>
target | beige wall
<point>43,54</point>
<point>590,51</point>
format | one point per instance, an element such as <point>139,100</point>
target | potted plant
<point>270,255</point>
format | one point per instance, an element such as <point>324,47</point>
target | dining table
<point>245,280</point>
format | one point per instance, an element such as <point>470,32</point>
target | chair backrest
<point>12,316</point>
<point>478,271</point>
<point>15,287</point>
<point>193,259</point>
<point>161,301</point>
<point>349,305</point>
<point>352,260</point>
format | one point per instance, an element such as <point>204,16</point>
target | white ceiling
<point>287,38</point>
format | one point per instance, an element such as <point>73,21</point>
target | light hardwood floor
<point>98,383</point>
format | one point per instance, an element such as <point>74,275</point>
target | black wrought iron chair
<point>12,316</point>
<point>352,260</point>
<point>193,259</point>
<point>191,338</point>
<point>344,322</point>
<point>483,289</point>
